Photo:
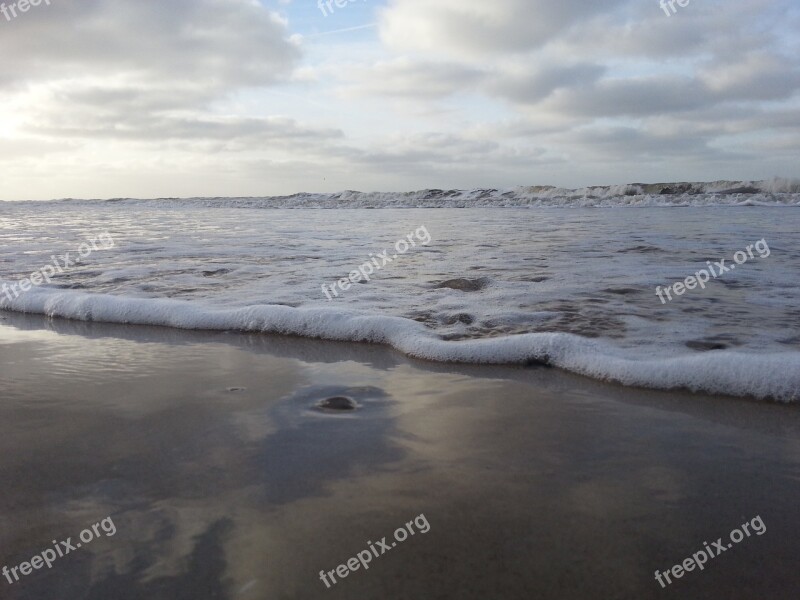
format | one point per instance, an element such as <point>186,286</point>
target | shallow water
<point>590,272</point>
<point>586,272</point>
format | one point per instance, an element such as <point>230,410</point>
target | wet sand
<point>225,481</point>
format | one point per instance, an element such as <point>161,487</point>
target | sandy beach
<point>224,480</point>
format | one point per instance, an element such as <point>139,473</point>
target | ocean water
<point>566,279</point>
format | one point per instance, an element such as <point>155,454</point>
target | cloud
<point>619,143</point>
<point>213,42</point>
<point>129,114</point>
<point>758,76</point>
<point>458,28</point>
<point>537,83</point>
<point>139,71</point>
<point>405,78</point>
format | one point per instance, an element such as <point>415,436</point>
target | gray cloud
<point>538,83</point>
<point>245,132</point>
<point>213,42</point>
<point>455,27</point>
<point>619,143</point>
<point>417,80</point>
<point>120,70</point>
<point>129,114</point>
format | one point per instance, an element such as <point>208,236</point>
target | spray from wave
<point>775,192</point>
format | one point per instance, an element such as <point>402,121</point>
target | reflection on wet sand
<point>540,484</point>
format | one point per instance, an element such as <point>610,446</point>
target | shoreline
<point>716,373</point>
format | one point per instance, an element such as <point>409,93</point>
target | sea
<point>540,276</point>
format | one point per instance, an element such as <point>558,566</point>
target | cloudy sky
<point>154,98</point>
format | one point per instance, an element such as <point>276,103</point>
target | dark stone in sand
<point>337,403</point>
<point>464,285</point>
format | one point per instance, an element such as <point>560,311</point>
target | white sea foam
<point>775,192</point>
<point>775,376</point>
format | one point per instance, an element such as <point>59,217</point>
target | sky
<point>182,98</point>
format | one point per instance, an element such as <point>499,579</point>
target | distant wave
<point>775,192</point>
<point>764,376</point>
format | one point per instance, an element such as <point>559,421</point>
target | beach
<point>400,299</point>
<point>225,480</point>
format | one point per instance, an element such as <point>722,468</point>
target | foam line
<point>774,376</point>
